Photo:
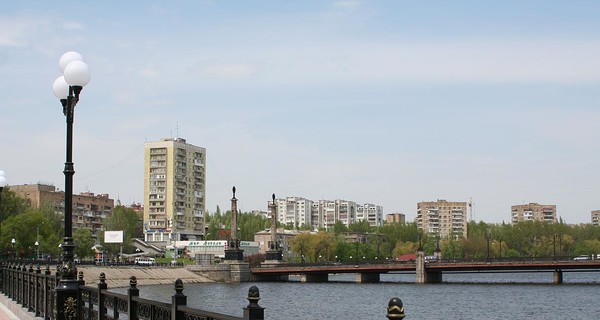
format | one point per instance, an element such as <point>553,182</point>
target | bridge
<point>426,272</point>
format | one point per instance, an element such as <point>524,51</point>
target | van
<point>145,261</point>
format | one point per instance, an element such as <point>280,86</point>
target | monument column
<point>274,254</point>
<point>233,252</point>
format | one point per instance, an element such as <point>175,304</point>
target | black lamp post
<point>13,242</point>
<point>3,183</point>
<point>67,88</point>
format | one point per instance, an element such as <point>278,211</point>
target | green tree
<point>84,241</point>
<point>126,220</point>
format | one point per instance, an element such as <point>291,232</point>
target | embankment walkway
<point>119,276</point>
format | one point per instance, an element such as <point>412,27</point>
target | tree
<point>127,220</point>
<point>12,204</point>
<point>84,241</point>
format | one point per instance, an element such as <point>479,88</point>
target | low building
<point>283,236</point>
<point>89,209</point>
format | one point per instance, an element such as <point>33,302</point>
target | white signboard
<point>113,236</point>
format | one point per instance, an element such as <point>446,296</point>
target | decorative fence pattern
<point>34,289</point>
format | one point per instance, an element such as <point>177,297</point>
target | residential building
<point>89,209</point>
<point>395,218</point>
<point>596,217</point>
<point>325,213</point>
<point>294,210</point>
<point>371,213</point>
<point>174,190</point>
<point>533,212</point>
<point>442,218</point>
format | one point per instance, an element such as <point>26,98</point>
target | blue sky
<point>386,102</point>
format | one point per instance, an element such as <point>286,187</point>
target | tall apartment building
<point>89,210</point>
<point>596,218</point>
<point>533,211</point>
<point>371,213</point>
<point>325,213</point>
<point>174,189</point>
<point>442,218</point>
<point>294,210</point>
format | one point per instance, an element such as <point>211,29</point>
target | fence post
<point>37,286</point>
<point>178,299</point>
<point>46,292</point>
<point>101,286</point>
<point>395,309</point>
<point>132,292</point>
<point>30,288</point>
<point>253,311</point>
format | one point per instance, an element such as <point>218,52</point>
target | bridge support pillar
<point>367,277</point>
<point>423,275</point>
<point>314,277</point>
<point>558,277</point>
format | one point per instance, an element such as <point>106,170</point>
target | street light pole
<point>3,183</point>
<point>76,75</point>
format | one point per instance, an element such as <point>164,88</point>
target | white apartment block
<point>174,189</point>
<point>325,213</point>
<point>442,218</point>
<point>294,210</point>
<point>371,213</point>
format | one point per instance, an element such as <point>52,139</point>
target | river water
<point>460,296</point>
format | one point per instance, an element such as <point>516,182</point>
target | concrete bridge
<point>425,272</point>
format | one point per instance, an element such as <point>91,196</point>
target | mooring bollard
<point>395,309</point>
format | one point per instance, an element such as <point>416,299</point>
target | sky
<point>383,102</point>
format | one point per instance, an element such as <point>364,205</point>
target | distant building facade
<point>395,218</point>
<point>533,212</point>
<point>89,209</point>
<point>596,217</point>
<point>325,213</point>
<point>174,189</point>
<point>442,218</point>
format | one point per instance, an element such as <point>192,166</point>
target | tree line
<point>25,224</point>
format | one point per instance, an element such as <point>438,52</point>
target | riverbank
<point>119,276</point>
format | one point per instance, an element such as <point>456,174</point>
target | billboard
<point>113,236</point>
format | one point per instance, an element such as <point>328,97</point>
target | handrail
<point>36,291</point>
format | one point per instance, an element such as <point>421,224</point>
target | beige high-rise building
<point>174,190</point>
<point>442,218</point>
<point>533,211</point>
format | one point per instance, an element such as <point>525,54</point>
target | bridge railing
<point>35,290</point>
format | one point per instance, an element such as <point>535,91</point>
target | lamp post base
<point>66,300</point>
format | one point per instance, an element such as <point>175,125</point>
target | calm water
<point>461,296</point>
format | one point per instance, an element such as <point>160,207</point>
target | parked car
<point>581,258</point>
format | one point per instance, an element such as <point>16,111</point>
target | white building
<point>325,213</point>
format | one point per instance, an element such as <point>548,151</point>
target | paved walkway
<point>6,314</point>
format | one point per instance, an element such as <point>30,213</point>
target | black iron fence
<point>34,289</point>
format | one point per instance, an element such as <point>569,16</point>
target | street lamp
<point>14,243</point>
<point>487,237</point>
<point>3,183</point>
<point>76,74</point>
